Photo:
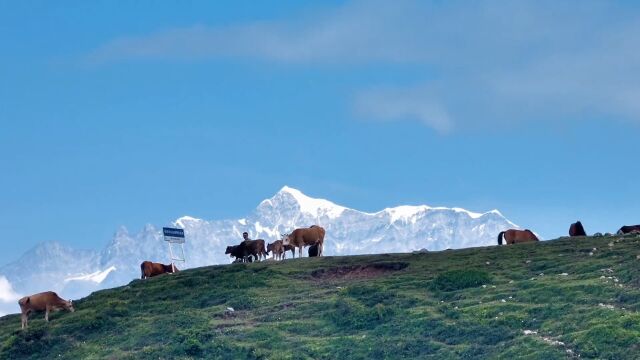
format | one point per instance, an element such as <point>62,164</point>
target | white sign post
<point>175,236</point>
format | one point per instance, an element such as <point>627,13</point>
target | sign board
<point>173,235</point>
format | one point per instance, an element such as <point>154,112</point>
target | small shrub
<point>192,347</point>
<point>350,314</point>
<point>460,279</point>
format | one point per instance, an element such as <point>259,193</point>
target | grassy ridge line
<point>471,303</point>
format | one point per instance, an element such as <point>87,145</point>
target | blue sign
<point>173,232</point>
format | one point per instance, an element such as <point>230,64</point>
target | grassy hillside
<point>473,303</point>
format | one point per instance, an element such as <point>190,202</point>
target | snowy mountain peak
<point>308,205</point>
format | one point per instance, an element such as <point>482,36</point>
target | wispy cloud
<point>493,60</point>
<point>419,104</point>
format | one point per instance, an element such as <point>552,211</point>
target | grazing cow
<point>576,229</point>
<point>306,237</point>
<point>313,250</point>
<point>628,229</point>
<point>248,248</point>
<point>46,301</point>
<point>513,236</point>
<point>150,269</point>
<point>238,252</point>
<point>277,248</point>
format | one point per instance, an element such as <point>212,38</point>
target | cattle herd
<point>249,250</point>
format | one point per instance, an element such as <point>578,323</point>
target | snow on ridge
<point>96,277</point>
<point>312,206</point>
<point>181,221</point>
<point>404,212</point>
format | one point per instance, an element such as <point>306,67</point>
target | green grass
<point>472,303</point>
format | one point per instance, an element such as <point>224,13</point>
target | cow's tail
<point>500,237</point>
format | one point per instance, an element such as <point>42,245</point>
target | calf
<point>150,269</point>
<point>289,248</point>
<point>45,301</point>
<point>277,248</point>
<point>313,250</point>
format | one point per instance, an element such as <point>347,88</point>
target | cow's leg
<point>24,320</point>
<point>300,251</point>
<point>46,314</point>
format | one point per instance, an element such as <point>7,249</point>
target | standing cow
<point>629,229</point>
<point>150,269</point>
<point>576,229</point>
<point>305,237</point>
<point>46,301</point>
<point>277,249</point>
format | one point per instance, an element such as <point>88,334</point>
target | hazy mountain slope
<point>75,273</point>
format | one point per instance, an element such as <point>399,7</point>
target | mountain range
<point>76,273</point>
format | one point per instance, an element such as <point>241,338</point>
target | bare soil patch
<point>358,271</point>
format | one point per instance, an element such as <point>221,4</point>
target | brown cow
<point>150,269</point>
<point>576,229</point>
<point>280,250</point>
<point>628,229</point>
<point>277,248</point>
<point>46,301</point>
<point>306,237</point>
<point>513,236</point>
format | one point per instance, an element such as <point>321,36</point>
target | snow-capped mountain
<point>75,273</point>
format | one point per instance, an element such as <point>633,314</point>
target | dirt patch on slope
<point>358,271</point>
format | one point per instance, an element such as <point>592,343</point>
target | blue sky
<point>127,113</point>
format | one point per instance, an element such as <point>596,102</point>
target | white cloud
<point>492,61</point>
<point>8,297</point>
<point>7,294</point>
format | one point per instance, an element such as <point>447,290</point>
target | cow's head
<point>285,239</point>
<point>69,306</point>
<point>269,248</point>
<point>229,249</point>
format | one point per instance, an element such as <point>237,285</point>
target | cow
<point>305,237</point>
<point>277,249</point>
<point>629,229</point>
<point>513,236</point>
<point>285,248</point>
<point>150,269</point>
<point>46,301</point>
<point>313,250</point>
<point>576,229</point>
<point>238,251</point>
<point>248,248</point>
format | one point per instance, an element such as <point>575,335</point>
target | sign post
<point>174,236</point>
